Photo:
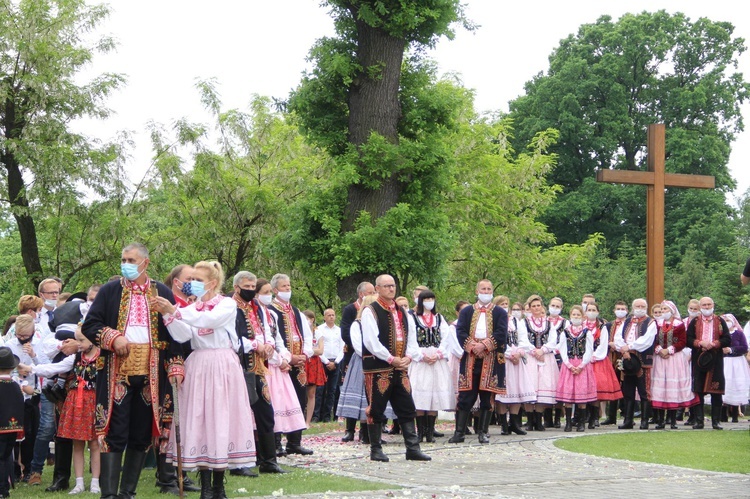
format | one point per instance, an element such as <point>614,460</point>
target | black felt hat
<point>7,359</point>
<point>632,365</point>
<point>706,360</point>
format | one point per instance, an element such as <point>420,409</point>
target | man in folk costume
<point>635,341</point>
<point>708,335</point>
<point>482,331</point>
<point>298,340</point>
<point>133,394</point>
<point>348,316</point>
<point>389,343</point>
<point>251,328</point>
<point>615,328</point>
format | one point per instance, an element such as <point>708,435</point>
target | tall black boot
<point>503,418</point>
<point>411,440</point>
<point>698,416</point>
<point>294,444</point>
<point>462,419</point>
<point>166,476</point>
<point>205,479</point>
<point>538,421</point>
<point>548,418</point>
<point>351,425</point>
<point>218,488</point>
<point>266,444</point>
<point>429,434</point>
<point>420,423</point>
<point>659,416</point>
<point>735,414</point>
<point>680,416</point>
<point>63,460</point>
<point>645,406</point>
<point>627,423</point>
<point>558,415</point>
<point>691,417</point>
<point>131,472</point>
<point>724,414</point>
<point>581,417</point>
<point>109,476</point>
<point>716,410</point>
<point>364,434</point>
<point>280,451</point>
<point>376,449</point>
<point>611,413</point>
<point>672,418</point>
<point>530,415</point>
<point>515,424</point>
<point>568,419</point>
<point>593,416</point>
<point>484,426</point>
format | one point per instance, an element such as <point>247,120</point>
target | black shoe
<point>411,440</point>
<point>364,435</point>
<point>438,434</point>
<point>568,419</point>
<point>503,420</point>
<point>644,414</point>
<point>243,472</point>
<point>348,436</point>
<point>672,419</point>
<point>627,423</point>
<point>429,434</point>
<point>484,424</point>
<point>297,449</point>
<point>280,451</point>
<point>582,419</point>
<point>59,484</point>
<point>462,418</point>
<point>376,449</point>
<point>539,421</point>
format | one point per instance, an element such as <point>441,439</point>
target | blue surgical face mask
<point>197,288</point>
<point>130,271</point>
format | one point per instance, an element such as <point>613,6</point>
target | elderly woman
<point>670,376</point>
<point>213,395</point>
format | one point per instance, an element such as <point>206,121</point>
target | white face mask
<point>707,311</point>
<point>485,297</point>
<point>692,314</point>
<point>528,315</point>
<point>555,311</point>
<point>517,314</point>
<point>50,303</point>
<point>505,308</point>
<point>428,305</point>
<point>639,312</point>
<point>621,314</point>
<point>265,299</point>
<point>284,295</point>
<point>665,316</point>
<point>576,322</point>
<point>592,315</point>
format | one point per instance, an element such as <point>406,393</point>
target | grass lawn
<point>727,451</point>
<point>298,481</point>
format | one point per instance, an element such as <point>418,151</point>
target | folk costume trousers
<point>389,386</point>
<point>131,421</point>
<point>466,398</point>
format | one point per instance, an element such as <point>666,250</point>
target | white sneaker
<point>95,489</point>
<point>77,490</point>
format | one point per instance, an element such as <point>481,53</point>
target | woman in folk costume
<point>520,373</point>
<point>736,369</point>
<point>213,393</point>
<point>577,384</point>
<point>316,373</point>
<point>287,412</point>
<point>431,385</point>
<point>670,376</point>
<point>543,336</point>
<point>555,316</point>
<point>607,384</point>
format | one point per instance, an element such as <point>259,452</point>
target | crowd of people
<point>217,382</point>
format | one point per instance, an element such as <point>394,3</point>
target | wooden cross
<point>656,181</point>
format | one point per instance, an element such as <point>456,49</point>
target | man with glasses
<point>389,345</point>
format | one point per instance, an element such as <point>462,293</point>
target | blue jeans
<point>45,434</point>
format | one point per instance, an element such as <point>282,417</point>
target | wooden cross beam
<point>656,180</point>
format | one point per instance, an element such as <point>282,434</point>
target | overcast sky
<point>259,47</point>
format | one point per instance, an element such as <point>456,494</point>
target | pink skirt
<point>578,388</point>
<point>548,375</point>
<point>287,414</point>
<point>216,422</point>
<point>607,384</point>
<point>671,383</point>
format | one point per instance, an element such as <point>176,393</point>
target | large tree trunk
<point>373,107</point>
<point>19,202</point>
